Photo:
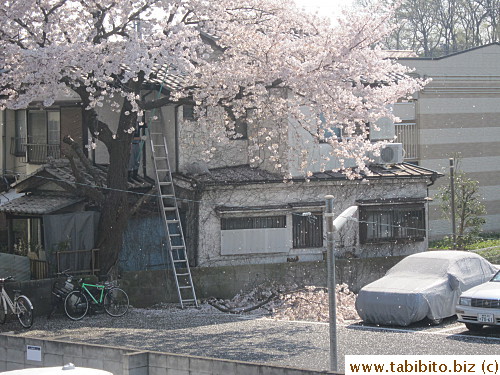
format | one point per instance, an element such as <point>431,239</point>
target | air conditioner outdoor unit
<point>392,153</point>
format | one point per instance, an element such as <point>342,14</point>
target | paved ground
<point>253,338</point>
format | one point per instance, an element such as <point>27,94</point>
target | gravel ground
<point>202,332</point>
<point>208,332</point>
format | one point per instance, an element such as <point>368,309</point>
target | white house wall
<point>212,253</point>
<point>194,142</point>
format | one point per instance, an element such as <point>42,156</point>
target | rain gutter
<point>4,142</point>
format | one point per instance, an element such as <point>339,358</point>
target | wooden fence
<point>85,262</point>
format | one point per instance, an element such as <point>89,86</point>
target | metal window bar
<point>407,134</point>
<point>39,153</point>
<point>391,224</point>
<point>256,222</point>
<point>307,231</point>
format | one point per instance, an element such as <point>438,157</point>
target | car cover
<point>424,285</point>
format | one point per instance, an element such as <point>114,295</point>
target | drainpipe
<point>176,136</point>
<point>4,142</point>
<point>452,193</point>
<point>432,179</point>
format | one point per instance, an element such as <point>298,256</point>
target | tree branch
<point>77,150</point>
<point>212,302</point>
<point>143,199</point>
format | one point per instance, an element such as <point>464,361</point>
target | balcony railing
<point>407,134</point>
<point>34,153</point>
<point>39,153</point>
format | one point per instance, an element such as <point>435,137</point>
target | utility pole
<point>331,227</point>
<point>452,191</point>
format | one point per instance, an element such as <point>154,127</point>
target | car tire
<point>436,322</point>
<point>474,327</point>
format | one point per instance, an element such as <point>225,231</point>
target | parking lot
<point>254,338</point>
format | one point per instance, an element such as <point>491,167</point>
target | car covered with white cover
<point>422,285</point>
<point>68,369</point>
<point>480,306</point>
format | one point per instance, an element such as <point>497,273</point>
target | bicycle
<point>21,306</point>
<point>112,299</point>
<point>60,292</point>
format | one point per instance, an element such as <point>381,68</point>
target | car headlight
<point>465,301</point>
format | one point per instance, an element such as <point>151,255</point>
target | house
<point>458,112</point>
<point>233,211</point>
<point>48,216</point>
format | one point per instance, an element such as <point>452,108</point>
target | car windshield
<point>421,266</point>
<point>496,277</point>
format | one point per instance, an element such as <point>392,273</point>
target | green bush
<point>479,241</point>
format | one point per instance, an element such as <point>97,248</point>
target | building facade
<point>457,114</point>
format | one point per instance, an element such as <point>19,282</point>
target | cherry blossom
<point>262,60</point>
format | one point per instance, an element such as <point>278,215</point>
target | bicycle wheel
<point>3,310</point>
<point>76,305</point>
<point>24,311</point>
<point>116,302</point>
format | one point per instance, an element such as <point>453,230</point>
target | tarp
<point>78,229</point>
<point>424,285</point>
<point>73,231</point>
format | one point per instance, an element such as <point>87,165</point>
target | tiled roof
<point>39,204</point>
<point>244,174</point>
<point>59,171</point>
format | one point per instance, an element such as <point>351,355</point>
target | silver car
<point>480,305</point>
<point>423,285</point>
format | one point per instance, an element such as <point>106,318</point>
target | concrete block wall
<point>123,361</point>
<point>146,288</point>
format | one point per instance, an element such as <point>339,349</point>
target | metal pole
<point>332,298</point>
<point>452,191</point>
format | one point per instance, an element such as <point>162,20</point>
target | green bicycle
<point>114,300</point>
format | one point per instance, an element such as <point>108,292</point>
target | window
<point>38,133</point>
<point>392,223</point>
<point>307,230</point>
<point>19,142</point>
<point>27,235</point>
<point>253,222</point>
<point>240,129</point>
<point>254,235</point>
<point>188,112</point>
<point>324,132</point>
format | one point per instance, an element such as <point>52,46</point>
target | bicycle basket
<point>68,286</point>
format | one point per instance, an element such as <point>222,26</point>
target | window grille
<point>257,222</point>
<point>392,223</point>
<point>307,230</point>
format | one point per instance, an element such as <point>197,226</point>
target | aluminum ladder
<point>171,219</point>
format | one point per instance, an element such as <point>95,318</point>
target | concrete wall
<point>122,361</point>
<point>146,288</point>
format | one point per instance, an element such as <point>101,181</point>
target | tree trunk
<point>115,209</point>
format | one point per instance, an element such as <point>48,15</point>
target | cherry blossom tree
<point>237,59</point>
